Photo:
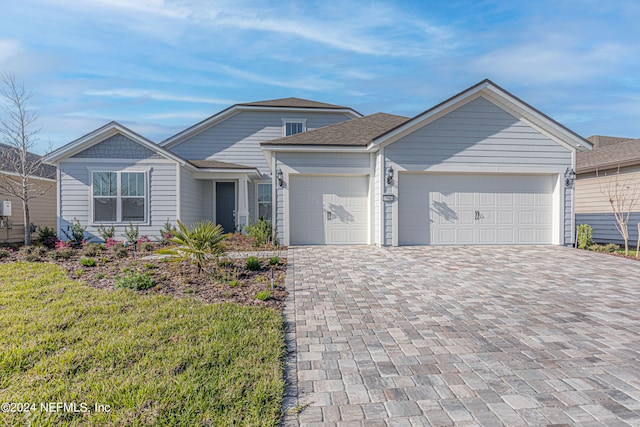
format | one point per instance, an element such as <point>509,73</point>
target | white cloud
<point>9,48</point>
<point>158,96</point>
<point>552,60</point>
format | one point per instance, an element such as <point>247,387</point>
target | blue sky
<point>159,66</point>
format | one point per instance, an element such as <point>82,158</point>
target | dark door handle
<point>328,216</point>
<point>477,215</point>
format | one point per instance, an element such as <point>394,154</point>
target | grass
<point>154,360</point>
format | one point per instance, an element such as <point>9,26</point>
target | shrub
<point>253,263</point>
<point>133,279</point>
<point>47,237</point>
<point>62,253</point>
<point>88,262</point>
<point>91,250</point>
<point>4,253</point>
<point>260,231</point>
<point>99,276</point>
<point>146,247</point>
<point>609,247</point>
<point>167,233</point>
<point>106,233</point>
<point>150,266</point>
<point>199,243</point>
<point>585,233</point>
<point>234,283</point>
<point>274,261</point>
<point>76,237</point>
<point>32,253</point>
<point>119,250</point>
<point>132,234</point>
<point>263,295</point>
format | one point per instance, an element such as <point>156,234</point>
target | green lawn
<point>154,360</point>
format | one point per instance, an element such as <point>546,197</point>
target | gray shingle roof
<point>613,153</point>
<point>356,132</point>
<point>215,164</point>
<point>602,141</point>
<point>293,102</point>
<point>43,171</point>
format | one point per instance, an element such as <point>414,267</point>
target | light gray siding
<point>482,136</point>
<point>478,133</point>
<point>605,230</point>
<point>315,164</point>
<point>237,139</point>
<point>75,195</point>
<point>193,198</point>
<point>117,147</point>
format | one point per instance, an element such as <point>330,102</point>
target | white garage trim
<point>329,209</point>
<point>488,196</point>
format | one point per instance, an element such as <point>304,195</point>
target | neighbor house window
<point>293,126</point>
<point>119,196</point>
<point>264,201</point>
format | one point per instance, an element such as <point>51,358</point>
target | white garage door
<point>453,209</point>
<point>328,210</point>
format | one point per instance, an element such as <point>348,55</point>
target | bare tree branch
<point>18,135</point>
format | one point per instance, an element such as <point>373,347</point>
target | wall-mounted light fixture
<point>280,177</point>
<point>570,178</point>
<point>390,175</point>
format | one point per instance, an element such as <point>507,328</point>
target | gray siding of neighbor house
<point>117,147</point>
<point>593,207</point>
<point>75,197</point>
<point>315,164</point>
<point>478,134</point>
<point>605,227</point>
<point>237,139</point>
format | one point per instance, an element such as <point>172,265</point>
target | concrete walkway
<point>466,336</point>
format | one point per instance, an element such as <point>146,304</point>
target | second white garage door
<point>452,209</point>
<point>328,210</point>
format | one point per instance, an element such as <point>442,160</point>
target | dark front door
<point>226,205</point>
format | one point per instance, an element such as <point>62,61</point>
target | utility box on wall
<point>5,208</point>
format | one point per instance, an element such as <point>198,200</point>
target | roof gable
<point>295,103</point>
<point>501,98</point>
<point>102,134</point>
<point>356,132</point>
<point>283,104</point>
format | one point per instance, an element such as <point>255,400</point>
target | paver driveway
<point>462,336</point>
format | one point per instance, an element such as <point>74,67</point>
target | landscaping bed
<point>226,279</point>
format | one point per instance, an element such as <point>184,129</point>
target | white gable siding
<point>75,198</point>
<point>482,136</point>
<point>238,138</point>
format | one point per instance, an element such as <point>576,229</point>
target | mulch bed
<point>228,281</point>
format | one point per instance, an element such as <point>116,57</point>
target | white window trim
<point>285,121</point>
<point>257,202</point>
<point>118,221</point>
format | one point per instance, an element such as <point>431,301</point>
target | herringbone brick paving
<point>466,336</point>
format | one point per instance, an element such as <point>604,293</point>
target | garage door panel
<point>328,210</point>
<point>480,209</point>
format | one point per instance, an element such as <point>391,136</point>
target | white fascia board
<point>316,149</point>
<point>226,174</point>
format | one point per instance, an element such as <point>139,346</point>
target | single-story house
<point>613,160</point>
<point>482,167</point>
<point>42,210</point>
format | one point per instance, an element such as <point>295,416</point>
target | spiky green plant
<point>199,243</point>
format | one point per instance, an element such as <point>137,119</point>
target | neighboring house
<point>42,210</point>
<point>612,159</point>
<point>483,167</point>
